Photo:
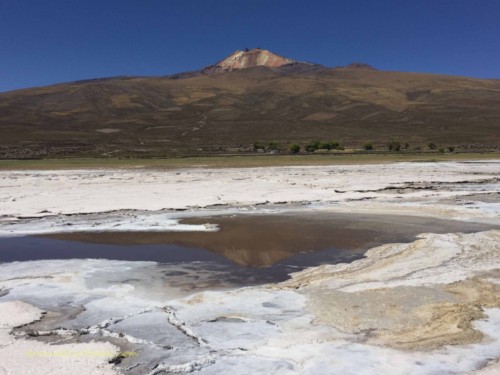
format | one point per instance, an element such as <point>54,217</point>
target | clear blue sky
<point>49,41</point>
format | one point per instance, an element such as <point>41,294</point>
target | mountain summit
<point>258,57</point>
<point>252,58</point>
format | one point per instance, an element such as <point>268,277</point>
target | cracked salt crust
<point>443,315</point>
<point>126,200</point>
<point>18,356</point>
<point>438,296</point>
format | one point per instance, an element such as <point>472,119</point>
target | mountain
<point>250,96</point>
<point>249,58</point>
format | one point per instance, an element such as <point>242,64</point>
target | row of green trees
<point>296,148</point>
<point>397,146</point>
<point>317,145</point>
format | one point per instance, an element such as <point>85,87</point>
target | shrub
<point>394,146</point>
<point>451,148</point>
<point>407,146</point>
<point>441,149</point>
<point>325,146</point>
<point>273,146</point>
<point>336,146</point>
<point>295,148</point>
<point>317,145</point>
<point>368,146</point>
<point>432,146</point>
<point>311,147</point>
<point>258,146</point>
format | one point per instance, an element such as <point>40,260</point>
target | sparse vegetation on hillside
<point>394,146</point>
<point>258,146</point>
<point>325,146</point>
<point>336,146</point>
<point>208,115</point>
<point>310,148</point>
<point>271,146</point>
<point>368,146</point>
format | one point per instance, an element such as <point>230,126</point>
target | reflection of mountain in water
<point>264,240</point>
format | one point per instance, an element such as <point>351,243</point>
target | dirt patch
<point>409,318</point>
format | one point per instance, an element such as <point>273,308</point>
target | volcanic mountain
<point>250,59</point>
<point>250,96</point>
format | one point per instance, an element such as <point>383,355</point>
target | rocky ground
<point>431,306</point>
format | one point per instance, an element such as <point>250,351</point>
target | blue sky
<point>50,41</point>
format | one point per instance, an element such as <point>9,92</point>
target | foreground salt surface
<point>27,357</point>
<point>307,325</point>
<point>428,307</point>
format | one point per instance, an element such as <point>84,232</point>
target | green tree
<point>394,146</point>
<point>311,147</point>
<point>295,148</point>
<point>325,146</point>
<point>273,146</point>
<point>258,146</point>
<point>431,145</point>
<point>336,145</point>
<point>368,146</point>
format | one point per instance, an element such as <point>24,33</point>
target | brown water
<point>264,240</point>
<point>255,247</point>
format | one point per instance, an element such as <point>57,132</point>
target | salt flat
<point>454,190</point>
<point>430,306</point>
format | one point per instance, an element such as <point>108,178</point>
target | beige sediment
<point>418,296</point>
<point>451,323</point>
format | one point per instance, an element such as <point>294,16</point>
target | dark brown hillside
<point>228,112</point>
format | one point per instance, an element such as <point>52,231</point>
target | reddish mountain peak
<point>248,58</point>
<point>251,58</point>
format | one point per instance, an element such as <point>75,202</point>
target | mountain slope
<point>229,111</point>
